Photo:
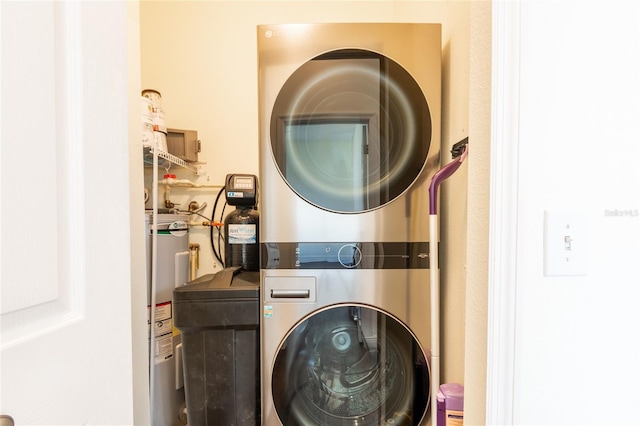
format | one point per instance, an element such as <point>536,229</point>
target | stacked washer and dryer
<point>349,140</point>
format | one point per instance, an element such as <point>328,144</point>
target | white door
<point>65,278</point>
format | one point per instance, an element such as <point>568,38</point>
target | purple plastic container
<point>451,404</point>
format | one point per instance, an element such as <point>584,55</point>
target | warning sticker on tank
<point>163,331</point>
<point>242,233</point>
<point>163,349</point>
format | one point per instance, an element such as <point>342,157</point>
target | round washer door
<point>350,130</point>
<point>350,365</point>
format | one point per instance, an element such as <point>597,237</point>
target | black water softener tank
<point>242,226</point>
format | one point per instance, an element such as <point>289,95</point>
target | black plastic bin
<point>218,317</point>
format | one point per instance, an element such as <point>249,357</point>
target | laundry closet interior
<point>204,60</point>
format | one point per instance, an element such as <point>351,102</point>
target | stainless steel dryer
<point>349,139</point>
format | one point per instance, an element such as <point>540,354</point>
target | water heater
<point>172,270</point>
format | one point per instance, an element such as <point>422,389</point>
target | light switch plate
<point>565,243</point>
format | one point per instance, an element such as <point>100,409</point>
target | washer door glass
<point>350,130</point>
<point>350,365</point>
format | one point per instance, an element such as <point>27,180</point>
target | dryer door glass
<point>350,130</point>
<point>350,365</point>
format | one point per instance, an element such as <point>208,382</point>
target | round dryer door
<point>350,130</point>
<point>350,365</point>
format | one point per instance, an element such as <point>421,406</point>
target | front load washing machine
<point>349,139</point>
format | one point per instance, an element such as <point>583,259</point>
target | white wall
<point>202,57</point>
<point>577,353</point>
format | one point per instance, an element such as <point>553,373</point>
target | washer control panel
<point>341,255</point>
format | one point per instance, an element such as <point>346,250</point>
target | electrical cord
<point>221,236</point>
<point>216,252</point>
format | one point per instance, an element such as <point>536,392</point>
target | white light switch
<point>565,248</point>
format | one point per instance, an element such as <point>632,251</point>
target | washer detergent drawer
<point>290,289</point>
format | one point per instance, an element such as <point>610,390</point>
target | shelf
<point>169,159</point>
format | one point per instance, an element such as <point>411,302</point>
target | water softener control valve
<point>241,190</point>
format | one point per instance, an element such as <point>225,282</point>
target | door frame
<point>503,216</point>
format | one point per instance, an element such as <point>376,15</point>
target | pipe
<point>207,223</point>
<point>194,260</point>
<point>152,307</point>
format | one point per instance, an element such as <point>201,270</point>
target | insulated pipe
<point>434,271</point>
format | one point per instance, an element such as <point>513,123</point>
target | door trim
<point>503,218</point>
